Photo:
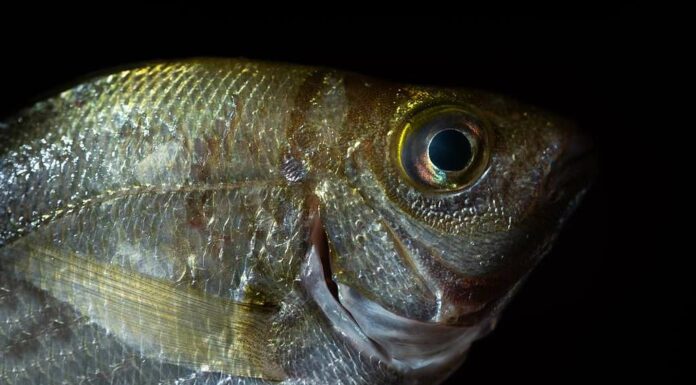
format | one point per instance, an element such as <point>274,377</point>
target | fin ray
<point>170,323</point>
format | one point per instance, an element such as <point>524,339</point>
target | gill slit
<point>317,278</point>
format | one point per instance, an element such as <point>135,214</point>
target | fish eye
<point>443,148</point>
<point>450,150</point>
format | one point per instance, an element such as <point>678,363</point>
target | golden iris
<point>443,148</point>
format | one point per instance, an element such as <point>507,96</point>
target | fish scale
<point>221,221</point>
<point>112,171</point>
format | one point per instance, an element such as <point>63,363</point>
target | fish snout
<point>573,170</point>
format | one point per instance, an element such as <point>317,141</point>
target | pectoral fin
<point>172,324</point>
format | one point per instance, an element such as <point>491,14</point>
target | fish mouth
<point>423,349</point>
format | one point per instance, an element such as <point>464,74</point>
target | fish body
<point>228,221</point>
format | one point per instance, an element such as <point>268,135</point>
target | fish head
<point>442,202</point>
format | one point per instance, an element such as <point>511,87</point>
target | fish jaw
<point>426,353</point>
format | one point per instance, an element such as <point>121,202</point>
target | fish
<point>230,221</point>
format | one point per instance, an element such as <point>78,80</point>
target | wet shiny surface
<point>205,176</point>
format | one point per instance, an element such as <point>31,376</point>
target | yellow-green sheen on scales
<point>216,221</point>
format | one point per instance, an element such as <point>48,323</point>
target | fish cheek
<point>461,246</point>
<point>367,257</point>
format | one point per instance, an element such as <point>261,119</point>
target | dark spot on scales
<point>293,169</point>
<point>310,88</point>
<point>195,209</point>
<point>206,153</point>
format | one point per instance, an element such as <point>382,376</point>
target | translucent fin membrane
<point>175,324</point>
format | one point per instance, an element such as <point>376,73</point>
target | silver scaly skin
<point>233,222</point>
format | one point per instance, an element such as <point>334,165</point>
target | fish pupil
<point>450,150</point>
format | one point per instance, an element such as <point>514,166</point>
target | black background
<point>596,308</point>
